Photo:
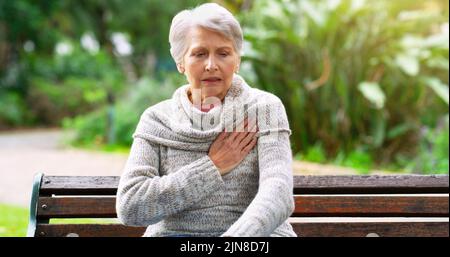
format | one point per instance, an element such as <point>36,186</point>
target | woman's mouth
<point>212,80</point>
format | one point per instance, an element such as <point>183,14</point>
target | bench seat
<point>325,206</point>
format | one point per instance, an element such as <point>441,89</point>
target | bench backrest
<point>404,205</point>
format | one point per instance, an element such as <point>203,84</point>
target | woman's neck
<point>199,101</point>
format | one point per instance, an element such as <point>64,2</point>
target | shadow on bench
<point>355,206</point>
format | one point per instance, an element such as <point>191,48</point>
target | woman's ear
<point>236,69</point>
<point>180,68</point>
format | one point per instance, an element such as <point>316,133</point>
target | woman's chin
<point>212,85</point>
<point>210,92</point>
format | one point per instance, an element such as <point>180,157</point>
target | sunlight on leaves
<point>373,93</point>
<point>409,64</point>
<point>439,88</point>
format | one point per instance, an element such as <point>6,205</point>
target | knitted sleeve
<point>144,197</point>
<point>273,203</point>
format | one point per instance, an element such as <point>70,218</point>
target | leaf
<point>437,40</point>
<point>379,129</point>
<point>411,42</point>
<point>409,64</point>
<point>438,87</point>
<point>311,11</point>
<point>250,52</point>
<point>373,93</point>
<point>399,130</point>
<point>438,63</point>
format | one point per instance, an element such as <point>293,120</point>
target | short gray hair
<point>210,16</point>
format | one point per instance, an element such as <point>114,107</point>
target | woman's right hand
<point>230,148</point>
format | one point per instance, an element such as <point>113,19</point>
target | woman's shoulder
<point>272,107</point>
<point>154,115</point>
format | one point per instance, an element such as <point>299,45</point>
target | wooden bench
<point>356,206</point>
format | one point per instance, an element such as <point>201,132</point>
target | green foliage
<point>352,73</point>
<point>71,84</point>
<point>433,157</point>
<point>360,160</point>
<point>91,128</point>
<point>30,66</point>
<point>51,102</point>
<point>77,63</point>
<point>13,221</point>
<point>315,153</point>
<point>145,22</point>
<point>21,22</point>
<point>361,81</point>
<point>12,110</point>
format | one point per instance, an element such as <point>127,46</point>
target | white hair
<point>210,16</point>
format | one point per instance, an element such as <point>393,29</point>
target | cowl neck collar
<point>179,124</point>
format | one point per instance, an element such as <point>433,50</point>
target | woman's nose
<point>211,65</point>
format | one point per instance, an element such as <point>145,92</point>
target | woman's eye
<point>200,54</point>
<point>224,54</point>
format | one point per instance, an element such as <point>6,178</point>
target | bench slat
<point>359,229</point>
<point>305,206</point>
<point>373,184</point>
<point>88,230</point>
<point>371,206</point>
<point>322,206</point>
<point>77,207</point>
<point>362,229</point>
<point>79,185</point>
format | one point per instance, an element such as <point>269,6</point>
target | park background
<point>364,83</point>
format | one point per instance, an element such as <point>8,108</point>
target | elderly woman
<point>215,159</point>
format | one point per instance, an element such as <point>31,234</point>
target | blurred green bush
<point>51,101</point>
<point>433,150</point>
<point>359,78</point>
<point>12,110</point>
<point>91,129</point>
<point>364,83</point>
<point>63,86</point>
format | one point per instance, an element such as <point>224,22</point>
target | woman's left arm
<point>274,202</point>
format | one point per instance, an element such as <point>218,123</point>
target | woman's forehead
<point>216,47</point>
<point>200,37</point>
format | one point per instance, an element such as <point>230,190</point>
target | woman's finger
<point>236,133</point>
<point>250,146</point>
<point>246,140</point>
<point>241,136</point>
<point>222,135</point>
<point>243,125</point>
<point>240,133</point>
<point>232,136</point>
<point>247,135</point>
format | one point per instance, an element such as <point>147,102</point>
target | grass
<point>14,221</point>
<point>359,160</point>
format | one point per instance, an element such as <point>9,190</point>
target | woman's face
<point>209,63</point>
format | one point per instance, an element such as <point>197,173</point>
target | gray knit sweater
<point>170,184</point>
